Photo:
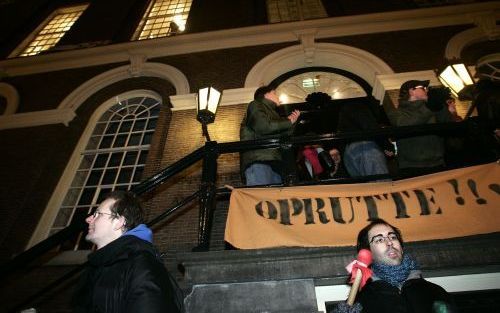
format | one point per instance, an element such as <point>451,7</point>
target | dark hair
<point>261,91</point>
<point>128,206</point>
<point>364,241</point>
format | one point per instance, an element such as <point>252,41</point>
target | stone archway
<point>166,72</point>
<point>350,59</point>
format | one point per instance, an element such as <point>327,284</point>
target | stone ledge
<point>255,297</point>
<point>454,256</point>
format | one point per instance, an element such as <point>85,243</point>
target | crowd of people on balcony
<point>418,104</point>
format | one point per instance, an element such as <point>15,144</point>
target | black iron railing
<point>211,151</point>
<point>208,188</point>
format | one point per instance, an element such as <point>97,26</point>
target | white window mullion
<point>99,162</point>
<point>49,32</point>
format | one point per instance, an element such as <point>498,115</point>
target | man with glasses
<point>421,154</point>
<point>125,273</point>
<point>396,285</point>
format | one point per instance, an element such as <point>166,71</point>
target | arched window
<point>113,158</point>
<point>294,87</point>
<point>333,86</point>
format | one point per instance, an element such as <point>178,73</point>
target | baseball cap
<point>411,84</point>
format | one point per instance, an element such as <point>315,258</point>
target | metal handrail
<point>393,132</point>
<point>80,267</point>
<point>163,175</point>
<point>23,259</point>
<point>231,147</point>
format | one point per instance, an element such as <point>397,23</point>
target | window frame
<point>299,5</point>
<point>55,203</point>
<point>146,17</point>
<point>33,35</point>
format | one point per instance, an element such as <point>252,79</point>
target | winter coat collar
<point>120,249</point>
<point>269,103</point>
<point>408,104</point>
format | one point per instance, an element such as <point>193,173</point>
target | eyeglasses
<point>97,213</point>
<point>420,87</point>
<point>379,239</point>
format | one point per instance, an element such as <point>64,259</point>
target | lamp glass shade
<point>464,74</point>
<point>213,100</point>
<point>456,77</point>
<point>203,99</point>
<point>208,99</point>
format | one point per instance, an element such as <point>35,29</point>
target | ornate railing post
<point>207,195</point>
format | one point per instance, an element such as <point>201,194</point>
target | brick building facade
<point>229,46</point>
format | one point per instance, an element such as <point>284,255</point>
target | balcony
<point>274,276</point>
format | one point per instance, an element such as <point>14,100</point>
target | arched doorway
<point>319,93</point>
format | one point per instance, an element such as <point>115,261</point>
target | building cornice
<point>255,35</point>
<point>38,118</point>
<point>65,114</point>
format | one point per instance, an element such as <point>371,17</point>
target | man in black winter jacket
<point>419,106</point>
<point>125,273</point>
<point>396,285</point>
<point>263,166</point>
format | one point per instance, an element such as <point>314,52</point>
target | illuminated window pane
<point>294,10</point>
<point>296,88</point>
<point>53,31</point>
<point>310,83</point>
<point>157,21</point>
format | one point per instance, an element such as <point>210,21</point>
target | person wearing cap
<point>420,154</point>
<point>262,120</point>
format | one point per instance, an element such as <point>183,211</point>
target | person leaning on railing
<point>419,106</point>
<point>263,167</point>
<point>364,157</point>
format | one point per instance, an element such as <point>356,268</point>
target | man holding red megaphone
<point>395,283</point>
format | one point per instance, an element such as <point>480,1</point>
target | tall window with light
<point>114,158</point>
<point>51,31</point>
<point>163,18</point>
